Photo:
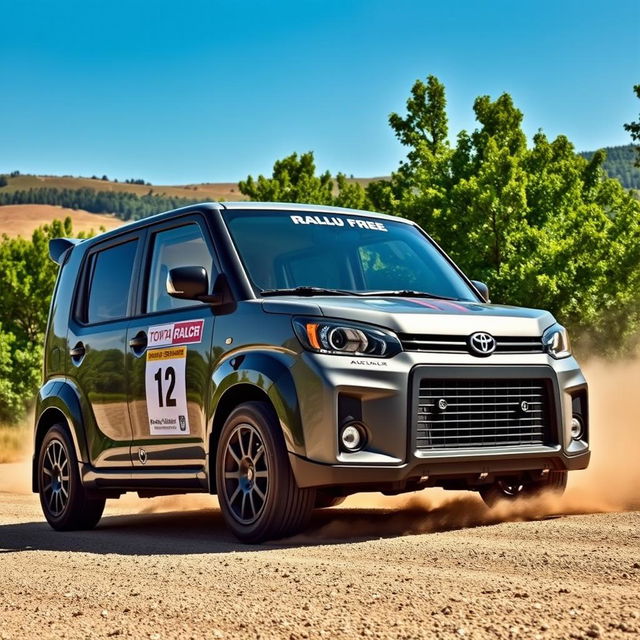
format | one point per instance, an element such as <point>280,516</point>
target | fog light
<point>353,437</point>
<point>576,428</point>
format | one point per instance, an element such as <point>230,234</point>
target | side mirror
<point>192,283</point>
<point>188,283</point>
<point>482,288</point>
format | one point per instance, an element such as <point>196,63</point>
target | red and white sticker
<point>187,332</point>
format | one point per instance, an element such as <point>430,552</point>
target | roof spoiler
<point>58,247</point>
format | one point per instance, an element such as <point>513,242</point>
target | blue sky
<point>192,91</point>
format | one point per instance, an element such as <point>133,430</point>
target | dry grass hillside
<point>23,219</point>
<point>207,191</point>
<point>215,191</point>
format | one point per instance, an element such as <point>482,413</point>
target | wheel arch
<point>255,376</point>
<point>57,403</point>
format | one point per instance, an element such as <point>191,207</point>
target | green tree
<point>634,128</point>
<point>27,278</point>
<point>294,179</point>
<point>541,225</point>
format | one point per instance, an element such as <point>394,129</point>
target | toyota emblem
<point>482,344</point>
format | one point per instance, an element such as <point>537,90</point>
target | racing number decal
<point>165,387</point>
<point>169,374</point>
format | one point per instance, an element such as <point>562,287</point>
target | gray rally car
<point>284,357</point>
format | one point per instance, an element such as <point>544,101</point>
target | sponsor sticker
<point>187,332</point>
<point>335,221</point>
<point>165,390</point>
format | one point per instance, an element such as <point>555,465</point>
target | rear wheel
<point>514,488</point>
<point>65,502</point>
<point>258,495</point>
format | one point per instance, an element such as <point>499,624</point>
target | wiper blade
<point>408,293</point>
<point>306,291</point>
<point>321,291</point>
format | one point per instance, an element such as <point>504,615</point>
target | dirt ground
<point>430,565</point>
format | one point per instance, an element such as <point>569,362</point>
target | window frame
<point>147,257</point>
<point>82,292</point>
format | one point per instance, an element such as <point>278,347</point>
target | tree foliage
<point>620,163</point>
<point>541,225</point>
<point>634,128</point>
<point>27,278</point>
<point>294,180</point>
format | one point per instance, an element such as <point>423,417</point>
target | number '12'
<point>170,376</point>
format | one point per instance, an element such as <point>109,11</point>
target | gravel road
<point>175,572</point>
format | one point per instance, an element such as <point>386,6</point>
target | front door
<point>168,359</point>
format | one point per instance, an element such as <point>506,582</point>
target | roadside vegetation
<point>620,164</point>
<point>27,277</point>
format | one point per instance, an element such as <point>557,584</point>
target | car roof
<point>311,208</point>
<point>244,206</point>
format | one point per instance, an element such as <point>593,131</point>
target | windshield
<point>289,249</point>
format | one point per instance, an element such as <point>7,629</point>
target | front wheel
<point>257,492</point>
<point>514,488</point>
<point>64,500</point>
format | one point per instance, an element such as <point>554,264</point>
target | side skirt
<point>165,481</point>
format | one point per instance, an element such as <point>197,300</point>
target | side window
<point>180,247</point>
<point>111,272</point>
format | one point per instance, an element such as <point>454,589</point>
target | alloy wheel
<point>246,474</point>
<point>510,489</point>
<point>55,478</point>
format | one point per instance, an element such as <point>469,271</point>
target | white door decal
<point>165,388</point>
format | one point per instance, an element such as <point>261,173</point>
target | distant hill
<point>127,200</point>
<point>620,164</point>
<point>24,219</point>
<point>204,191</point>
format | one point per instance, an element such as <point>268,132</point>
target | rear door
<point>96,346</point>
<point>169,351</point>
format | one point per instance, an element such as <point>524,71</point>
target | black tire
<point>512,489</point>
<point>258,495</point>
<point>326,500</point>
<point>64,500</point>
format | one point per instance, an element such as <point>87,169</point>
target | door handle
<point>139,341</point>
<point>78,351</point>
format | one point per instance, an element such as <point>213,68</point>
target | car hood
<point>419,315</point>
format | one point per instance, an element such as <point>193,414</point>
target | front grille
<point>460,344</point>
<point>456,414</point>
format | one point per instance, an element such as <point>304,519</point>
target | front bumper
<point>469,470</point>
<point>386,396</point>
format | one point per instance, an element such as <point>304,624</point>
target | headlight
<point>556,341</point>
<point>345,338</point>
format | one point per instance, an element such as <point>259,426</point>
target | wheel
<point>514,488</point>
<point>258,495</point>
<point>326,500</point>
<point>64,500</point>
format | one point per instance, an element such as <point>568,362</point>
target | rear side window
<point>179,247</point>
<point>111,272</point>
